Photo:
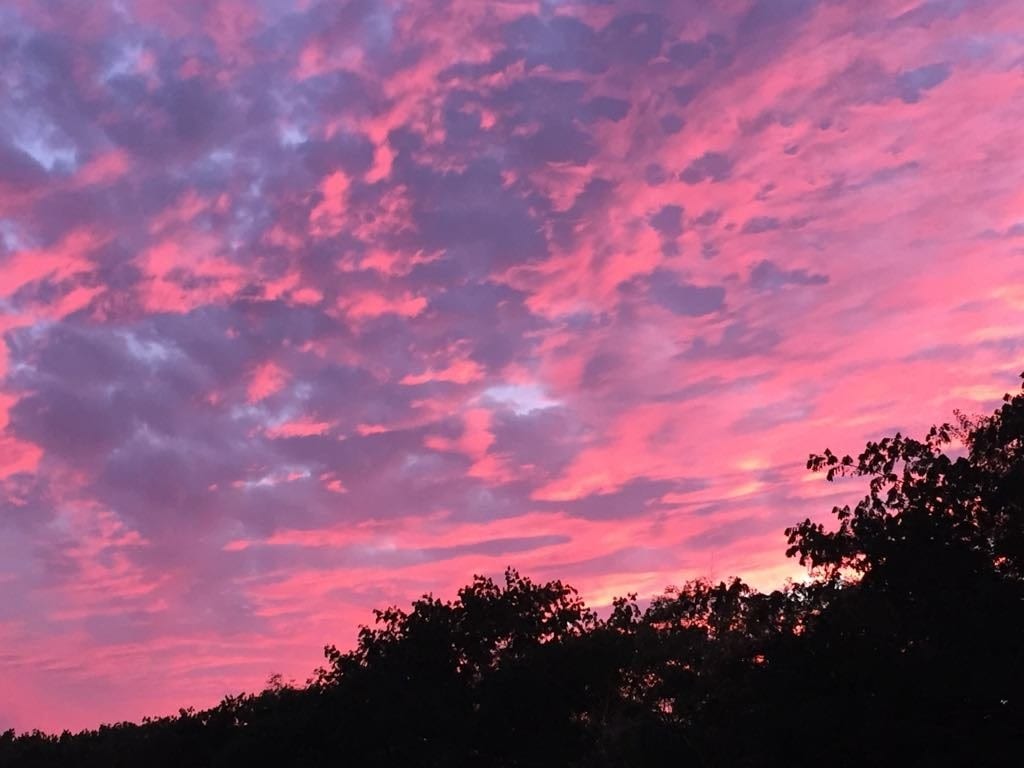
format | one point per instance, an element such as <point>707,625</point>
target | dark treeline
<point>904,648</point>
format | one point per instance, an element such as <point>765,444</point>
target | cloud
<point>767,276</point>
<point>684,298</point>
<point>760,224</point>
<point>713,166</point>
<point>668,221</point>
<point>312,308</point>
<point>916,81</point>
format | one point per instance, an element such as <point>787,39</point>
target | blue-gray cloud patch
<point>768,276</point>
<point>711,166</point>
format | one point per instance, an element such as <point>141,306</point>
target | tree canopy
<point>902,647</point>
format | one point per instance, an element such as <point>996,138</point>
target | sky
<point>313,307</point>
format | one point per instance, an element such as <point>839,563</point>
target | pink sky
<point>309,308</point>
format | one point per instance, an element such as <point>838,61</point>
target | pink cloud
<point>267,379</point>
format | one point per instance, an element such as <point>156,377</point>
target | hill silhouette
<point>902,648</point>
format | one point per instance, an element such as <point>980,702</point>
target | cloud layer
<point>313,307</point>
